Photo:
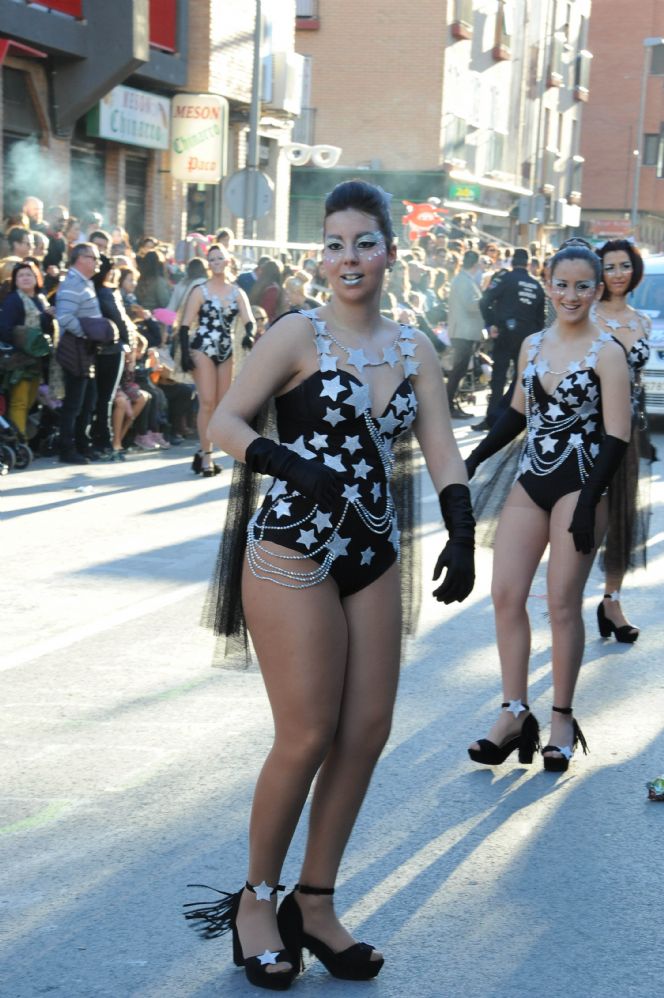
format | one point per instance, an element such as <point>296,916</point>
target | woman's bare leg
<point>372,672</point>
<point>224,377</point>
<point>613,607</point>
<point>205,378</point>
<point>566,579</point>
<point>300,637</point>
<point>521,540</point>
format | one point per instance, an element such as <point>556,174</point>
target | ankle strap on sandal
<point>305,889</point>
<point>515,707</point>
<point>562,710</point>
<point>263,891</point>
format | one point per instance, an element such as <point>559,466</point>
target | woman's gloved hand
<point>186,361</point>
<point>312,478</point>
<point>458,555</point>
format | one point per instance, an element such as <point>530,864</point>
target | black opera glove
<point>458,555</point>
<point>582,527</point>
<point>508,426</point>
<point>248,338</point>
<point>312,478</point>
<point>187,362</point>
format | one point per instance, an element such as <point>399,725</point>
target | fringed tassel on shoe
<point>578,736</point>
<point>213,919</point>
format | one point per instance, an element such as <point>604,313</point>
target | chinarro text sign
<point>134,117</point>
<point>199,129</point>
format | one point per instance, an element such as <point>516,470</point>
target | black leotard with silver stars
<point>327,417</point>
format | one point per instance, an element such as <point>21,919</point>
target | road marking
<point>120,617</point>
<point>45,817</point>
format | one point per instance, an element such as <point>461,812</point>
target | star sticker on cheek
<point>367,556</point>
<point>351,444</point>
<point>307,538</point>
<point>331,388</point>
<point>318,440</point>
<point>267,956</point>
<point>362,469</point>
<point>263,891</point>
<point>322,521</point>
<point>281,508</point>
<point>333,416</point>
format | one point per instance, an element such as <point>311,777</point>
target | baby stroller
<point>14,451</point>
<point>477,377</point>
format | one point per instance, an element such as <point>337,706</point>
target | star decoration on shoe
<point>267,957</point>
<point>263,891</point>
<point>333,416</point>
<point>515,707</point>
<point>307,538</point>
<point>331,388</point>
<point>367,556</point>
<point>322,521</point>
<point>357,359</point>
<point>351,444</point>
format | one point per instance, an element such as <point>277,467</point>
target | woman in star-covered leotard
<point>572,397</point>
<point>625,542</point>
<point>320,584</point>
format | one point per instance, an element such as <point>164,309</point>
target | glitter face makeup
<point>367,246</point>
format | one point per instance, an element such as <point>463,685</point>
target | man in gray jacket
<point>464,325</point>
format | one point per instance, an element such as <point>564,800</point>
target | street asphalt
<point>128,764</point>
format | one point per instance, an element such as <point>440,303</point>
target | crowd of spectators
<point>56,269</point>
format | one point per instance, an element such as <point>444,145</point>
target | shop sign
<point>134,117</point>
<point>464,192</point>
<point>199,129</point>
<point>618,228</point>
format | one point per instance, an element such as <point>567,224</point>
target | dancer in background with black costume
<point>213,307</point>
<point>321,576</point>
<point>572,396</point>
<point>625,542</point>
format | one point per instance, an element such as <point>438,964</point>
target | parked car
<point>649,298</point>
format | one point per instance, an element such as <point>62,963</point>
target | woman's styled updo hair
<point>615,246</point>
<point>577,252</point>
<point>367,198</point>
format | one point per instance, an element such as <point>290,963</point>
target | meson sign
<point>199,130</point>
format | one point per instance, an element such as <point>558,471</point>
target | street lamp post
<point>649,44</point>
<point>254,119</point>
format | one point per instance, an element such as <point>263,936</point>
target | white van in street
<point>649,298</point>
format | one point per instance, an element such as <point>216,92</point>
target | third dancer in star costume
<point>572,396</point>
<point>321,577</point>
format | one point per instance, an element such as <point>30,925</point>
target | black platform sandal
<point>351,964</point>
<point>197,462</point>
<point>212,469</point>
<point>215,919</point>
<point>627,634</point>
<point>552,763</point>
<point>527,741</point>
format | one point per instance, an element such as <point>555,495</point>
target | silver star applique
<point>333,461</point>
<point>554,411</point>
<point>318,440</point>
<point>583,379</point>
<point>331,388</point>
<point>394,536</point>
<point>407,349</point>
<point>367,556</point>
<point>281,508</point>
<point>407,333</point>
<point>594,450</point>
<point>408,420</point>
<point>322,521</point>
<point>263,891</point>
<point>357,359</point>
<point>359,398</point>
<point>278,489</point>
<point>529,370</point>
<point>515,707</point>
<point>351,492</point>
<point>574,367</point>
<point>322,345</point>
<point>337,546</point>
<point>410,367</point>
<point>307,538</point>
<point>590,426</point>
<point>390,356</point>
<point>576,439</point>
<point>351,444</point>
<point>388,423</point>
<point>376,491</point>
<point>612,323</point>
<point>300,448</point>
<point>362,469</point>
<point>328,363</point>
<point>267,956</point>
<point>548,445</point>
<point>400,403</point>
<point>333,416</point>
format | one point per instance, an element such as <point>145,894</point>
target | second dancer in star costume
<point>321,577</point>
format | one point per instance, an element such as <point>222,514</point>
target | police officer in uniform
<point>513,308</point>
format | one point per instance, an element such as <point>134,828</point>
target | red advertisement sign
<point>73,7</point>
<point>617,227</point>
<point>163,17</point>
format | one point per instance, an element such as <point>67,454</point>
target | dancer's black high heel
<point>216,918</point>
<point>527,741</point>
<point>554,764</point>
<point>351,964</point>
<point>212,469</point>
<point>627,634</point>
<point>197,462</point>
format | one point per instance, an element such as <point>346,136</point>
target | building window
<point>582,75</point>
<point>307,15</point>
<point>657,61</point>
<point>555,75</point>
<point>650,149</point>
<point>455,137</point>
<point>502,47</point>
<point>462,21</point>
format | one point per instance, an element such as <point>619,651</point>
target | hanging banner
<point>199,130</point>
